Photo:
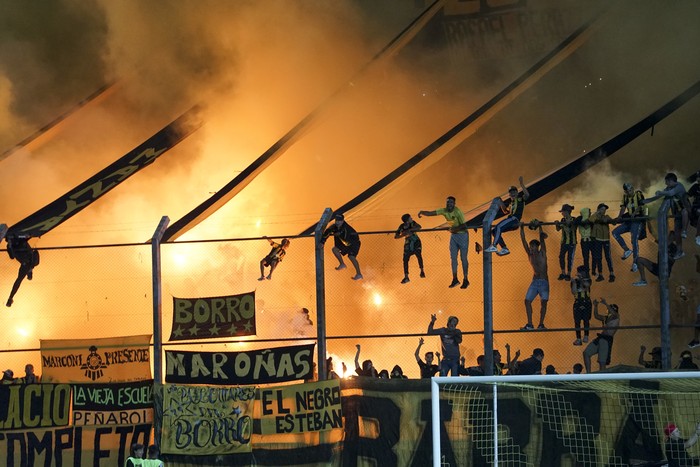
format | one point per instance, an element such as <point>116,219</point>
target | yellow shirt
<point>454,217</point>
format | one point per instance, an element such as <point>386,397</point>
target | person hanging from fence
<point>680,207</point>
<point>537,255</point>
<point>567,250</point>
<point>602,345</point>
<point>273,258</point>
<point>347,242</point>
<point>459,238</point>
<point>450,338</point>
<point>412,244</point>
<point>676,446</point>
<point>513,207</point>
<point>19,248</point>
<point>601,243</point>
<point>645,264</point>
<point>585,232</point>
<point>583,308</point>
<point>427,367</point>
<point>694,200</point>
<point>631,210</point>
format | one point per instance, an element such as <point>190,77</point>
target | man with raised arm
<point>459,240</point>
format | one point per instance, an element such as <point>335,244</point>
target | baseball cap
<point>686,354</point>
<point>566,207</point>
<point>603,205</point>
<point>669,429</point>
<point>513,188</point>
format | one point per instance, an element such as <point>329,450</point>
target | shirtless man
<point>537,254</point>
<point>602,345</point>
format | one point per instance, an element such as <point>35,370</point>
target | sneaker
<point>455,282</point>
<point>567,277</point>
<point>639,283</point>
<point>422,274</point>
<point>577,342</point>
<point>491,249</point>
<point>340,267</point>
<point>405,280</point>
<point>527,327</point>
<point>561,277</point>
<point>694,343</point>
<point>261,278</point>
<point>679,255</point>
<point>357,277</point>
<point>541,326</point>
<point>611,278</point>
<point>600,278</point>
<point>684,234</point>
<point>503,252</point>
<point>634,268</point>
<point>465,284</point>
<point>585,339</point>
<point>626,254</point>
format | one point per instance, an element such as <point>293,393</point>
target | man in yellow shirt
<point>459,240</point>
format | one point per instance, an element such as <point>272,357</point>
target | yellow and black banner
<point>301,408</point>
<point>108,360</point>
<point>34,406</point>
<point>275,365</point>
<point>213,317</point>
<point>202,420</point>
<point>113,404</point>
<point>83,195</point>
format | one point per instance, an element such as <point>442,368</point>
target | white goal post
<point>592,419</point>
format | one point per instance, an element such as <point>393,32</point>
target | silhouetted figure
<point>273,258</point>
<point>347,242</point>
<point>29,376</point>
<point>18,248</point>
<point>412,244</point>
<point>153,455</point>
<point>136,455</point>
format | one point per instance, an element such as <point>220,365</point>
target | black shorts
<point>583,309</point>
<point>350,250</point>
<point>269,260</point>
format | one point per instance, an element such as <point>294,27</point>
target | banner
<point>212,317</point>
<point>65,207</point>
<point>115,359</point>
<point>34,405</point>
<point>201,420</point>
<point>71,446</point>
<point>232,368</point>
<point>301,408</point>
<point>113,404</point>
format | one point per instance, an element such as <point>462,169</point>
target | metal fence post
<point>664,306</point>
<point>488,287</point>
<point>157,326</point>
<point>321,293</point>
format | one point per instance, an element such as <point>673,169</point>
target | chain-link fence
<point>91,292</point>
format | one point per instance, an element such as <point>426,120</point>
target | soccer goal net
<point>562,420</point>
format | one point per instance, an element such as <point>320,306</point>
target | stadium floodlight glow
<point>520,420</point>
